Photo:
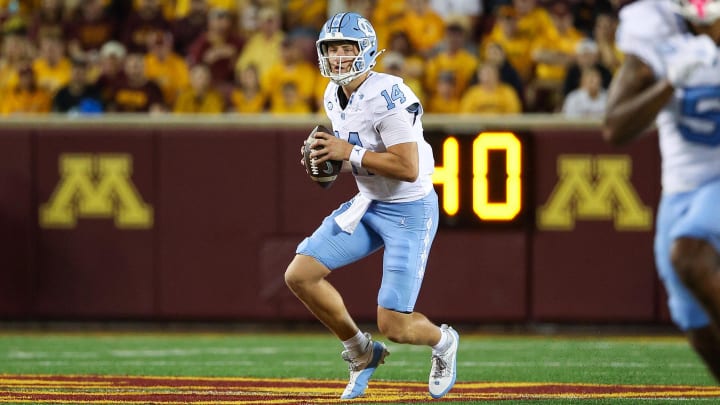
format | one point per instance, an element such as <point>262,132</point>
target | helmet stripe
<point>336,22</point>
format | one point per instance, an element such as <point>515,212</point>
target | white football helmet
<point>354,28</point>
<point>701,12</point>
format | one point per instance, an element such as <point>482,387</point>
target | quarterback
<point>671,75</point>
<point>378,134</point>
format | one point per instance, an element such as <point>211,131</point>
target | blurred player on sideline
<point>671,74</point>
<point>379,135</point>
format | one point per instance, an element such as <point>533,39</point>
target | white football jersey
<point>381,96</point>
<point>689,125</point>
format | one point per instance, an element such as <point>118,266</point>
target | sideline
<point>108,389</point>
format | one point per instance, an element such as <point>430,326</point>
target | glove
<point>690,54</point>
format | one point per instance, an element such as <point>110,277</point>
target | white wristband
<point>356,155</point>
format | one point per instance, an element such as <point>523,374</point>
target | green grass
<point>486,358</point>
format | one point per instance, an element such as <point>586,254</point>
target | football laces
<point>314,168</point>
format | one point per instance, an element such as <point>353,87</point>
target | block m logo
<point>96,186</point>
<point>594,188</point>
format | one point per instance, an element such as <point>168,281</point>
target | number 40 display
<point>448,176</point>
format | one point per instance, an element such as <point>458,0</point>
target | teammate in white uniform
<point>378,134</point>
<point>671,73</point>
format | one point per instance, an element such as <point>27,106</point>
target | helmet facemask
<point>336,67</point>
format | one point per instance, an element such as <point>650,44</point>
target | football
<point>323,174</point>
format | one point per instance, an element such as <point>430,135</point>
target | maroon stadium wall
<point>196,219</point>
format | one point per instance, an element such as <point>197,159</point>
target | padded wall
<point>228,207</point>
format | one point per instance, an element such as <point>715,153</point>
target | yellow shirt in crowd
<point>25,102</point>
<point>242,103</point>
<point>503,100</point>
<point>303,74</point>
<point>171,74</point>
<point>52,78</point>
<point>463,65</point>
<point>189,102</point>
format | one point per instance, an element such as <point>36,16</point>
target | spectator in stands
<point>388,17</point>
<point>444,99</point>
<point>218,47</point>
<point>362,7</point>
<point>135,92</point>
<point>310,14</point>
<point>516,43</point>
<point>167,7</point>
<point>320,86</point>
<point>164,66</point>
<point>490,95</point>
<point>263,47</point>
<point>16,52</point>
<point>453,56</point>
<point>183,7</point>
<point>494,54</point>
<point>78,96</point>
<point>189,27</point>
<point>52,68</point>
<point>48,20</point>
<point>604,34</point>
<point>585,13</point>
<point>291,68</point>
<point>589,99</point>
<point>587,55</point>
<point>472,10</point>
<point>248,12</point>
<point>89,29</point>
<point>291,102</point>
<point>145,20</point>
<point>413,64</point>
<point>304,40</point>
<point>13,8</point>
<point>200,97</point>
<point>425,27</point>
<point>246,96</point>
<point>552,54</point>
<point>533,21</point>
<point>110,69</point>
<point>27,97</point>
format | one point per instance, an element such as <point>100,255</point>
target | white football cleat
<point>362,368</point>
<point>444,366</point>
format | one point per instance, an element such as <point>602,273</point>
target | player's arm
<point>635,98</point>
<point>400,161</point>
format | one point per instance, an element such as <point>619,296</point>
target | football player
<point>376,120</point>
<point>671,74</point>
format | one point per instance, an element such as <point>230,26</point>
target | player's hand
<point>330,147</point>
<point>302,154</point>
<point>691,53</point>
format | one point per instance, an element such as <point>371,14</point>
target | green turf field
<point>665,360</point>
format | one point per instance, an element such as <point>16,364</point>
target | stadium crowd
<point>251,56</point>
